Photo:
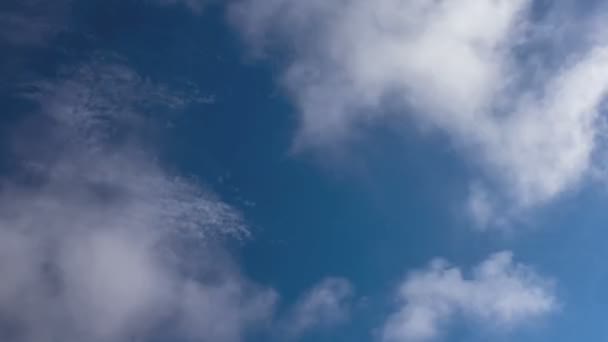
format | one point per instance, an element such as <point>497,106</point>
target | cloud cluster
<point>494,75</point>
<point>97,239</point>
<point>499,293</point>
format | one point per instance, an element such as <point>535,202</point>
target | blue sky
<point>280,170</point>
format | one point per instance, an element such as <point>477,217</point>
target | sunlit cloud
<point>515,99</point>
<point>499,294</point>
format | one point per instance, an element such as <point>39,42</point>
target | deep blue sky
<point>370,211</point>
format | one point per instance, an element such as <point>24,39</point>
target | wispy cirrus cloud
<point>513,94</point>
<point>97,239</point>
<point>99,242</point>
<point>498,294</point>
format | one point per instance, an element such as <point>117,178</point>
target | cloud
<point>480,206</point>
<point>196,6</point>
<point>499,293</point>
<point>505,87</point>
<point>98,242</point>
<point>325,305</point>
<point>31,22</point>
<point>94,228</point>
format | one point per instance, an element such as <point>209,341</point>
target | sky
<point>284,170</point>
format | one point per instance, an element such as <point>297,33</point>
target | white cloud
<point>499,293</point>
<point>325,305</point>
<point>363,50</point>
<point>97,241</point>
<point>474,69</point>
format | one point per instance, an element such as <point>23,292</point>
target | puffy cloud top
<point>499,293</point>
<point>528,115</point>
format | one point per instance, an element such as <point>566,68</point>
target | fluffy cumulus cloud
<point>496,76</point>
<point>499,293</point>
<point>97,240</point>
